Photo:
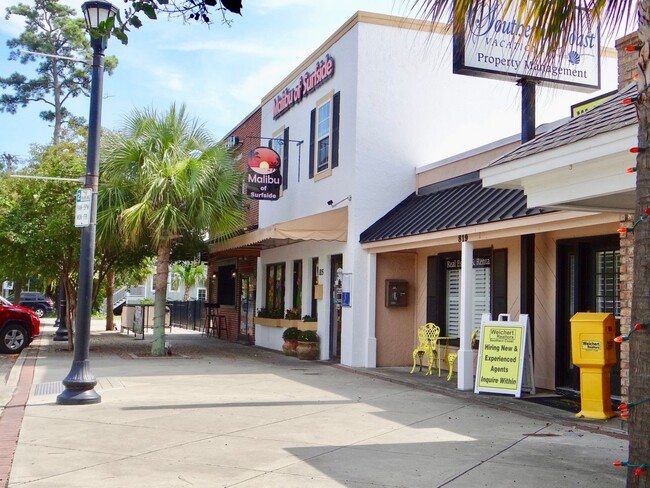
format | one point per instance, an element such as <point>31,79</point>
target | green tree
<point>172,182</point>
<point>50,28</point>
<point>189,275</point>
<point>37,233</point>
<point>551,23</point>
<point>9,163</point>
<point>189,10</point>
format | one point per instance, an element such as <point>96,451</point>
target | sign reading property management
<point>504,355</point>
<point>263,180</point>
<point>497,45</point>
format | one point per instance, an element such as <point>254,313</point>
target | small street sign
<point>82,208</point>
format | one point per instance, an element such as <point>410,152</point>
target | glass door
<point>247,307</point>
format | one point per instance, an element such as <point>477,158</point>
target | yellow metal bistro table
<point>448,357</point>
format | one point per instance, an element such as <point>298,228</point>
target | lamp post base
<point>61,334</point>
<point>79,386</point>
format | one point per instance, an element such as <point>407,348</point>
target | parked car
<point>39,303</point>
<point>18,327</point>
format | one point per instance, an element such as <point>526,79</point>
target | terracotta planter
<point>289,347</point>
<point>308,350</point>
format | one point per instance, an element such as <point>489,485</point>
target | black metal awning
<point>453,204</point>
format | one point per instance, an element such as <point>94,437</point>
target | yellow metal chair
<point>451,359</point>
<point>428,343</point>
<point>452,356</point>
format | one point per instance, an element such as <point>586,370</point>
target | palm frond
<point>552,23</point>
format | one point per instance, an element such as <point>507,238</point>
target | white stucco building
<point>352,123</point>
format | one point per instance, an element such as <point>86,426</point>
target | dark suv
<point>18,327</point>
<point>39,303</point>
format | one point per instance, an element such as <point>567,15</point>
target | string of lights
<point>625,408</point>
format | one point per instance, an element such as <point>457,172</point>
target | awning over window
<point>326,226</point>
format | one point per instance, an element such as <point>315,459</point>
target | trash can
<point>592,347</point>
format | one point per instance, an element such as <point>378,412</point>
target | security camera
<point>330,202</point>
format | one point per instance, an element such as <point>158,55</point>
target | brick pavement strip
<point>11,418</point>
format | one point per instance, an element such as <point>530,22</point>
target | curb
<point>9,388</point>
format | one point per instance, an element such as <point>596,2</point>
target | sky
<point>220,72</point>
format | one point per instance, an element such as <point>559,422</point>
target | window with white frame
<point>489,288</point>
<point>279,145</point>
<point>480,298</point>
<point>174,282</point>
<point>276,143</point>
<point>202,294</point>
<point>324,125</point>
<point>323,135</point>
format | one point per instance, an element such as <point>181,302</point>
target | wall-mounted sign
<point>479,262</point>
<point>582,107</point>
<point>498,46</point>
<point>263,179</point>
<point>307,84</point>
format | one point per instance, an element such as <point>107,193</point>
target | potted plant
<point>308,345</point>
<point>291,318</point>
<point>292,314</point>
<point>309,323</point>
<point>290,336</point>
<point>269,316</point>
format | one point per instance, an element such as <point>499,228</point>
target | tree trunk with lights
<point>639,424</point>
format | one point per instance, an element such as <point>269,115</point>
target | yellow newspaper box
<point>593,350</point>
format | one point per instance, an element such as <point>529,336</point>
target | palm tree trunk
<point>186,295</point>
<point>160,299</point>
<point>639,367</point>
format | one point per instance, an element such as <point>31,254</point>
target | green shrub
<point>308,336</point>
<point>291,334</point>
<point>309,318</point>
<point>293,314</point>
<point>270,313</point>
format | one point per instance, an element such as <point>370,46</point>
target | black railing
<point>188,315</point>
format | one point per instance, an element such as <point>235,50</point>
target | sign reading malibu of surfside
<point>498,46</point>
<point>308,83</point>
<point>263,178</point>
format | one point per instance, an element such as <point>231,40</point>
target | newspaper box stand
<point>593,351</point>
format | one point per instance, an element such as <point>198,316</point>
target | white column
<point>465,359</point>
<point>371,357</point>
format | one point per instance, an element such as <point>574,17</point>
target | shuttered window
<point>324,135</point>
<point>607,282</point>
<point>489,275</point>
<point>480,299</point>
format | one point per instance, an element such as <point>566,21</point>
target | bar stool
<point>211,314</point>
<point>221,325</point>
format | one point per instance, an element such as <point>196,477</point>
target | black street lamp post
<point>61,333</point>
<point>80,382</point>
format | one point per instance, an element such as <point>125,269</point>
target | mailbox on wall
<point>396,293</point>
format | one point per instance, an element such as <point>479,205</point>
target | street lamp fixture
<point>80,382</point>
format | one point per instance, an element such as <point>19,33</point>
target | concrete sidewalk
<point>219,414</point>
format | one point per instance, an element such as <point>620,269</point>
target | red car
<point>18,327</point>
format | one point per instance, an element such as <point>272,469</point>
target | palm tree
<point>185,272</point>
<point>551,23</point>
<point>170,182</point>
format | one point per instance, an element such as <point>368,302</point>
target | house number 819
<point>463,238</point>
